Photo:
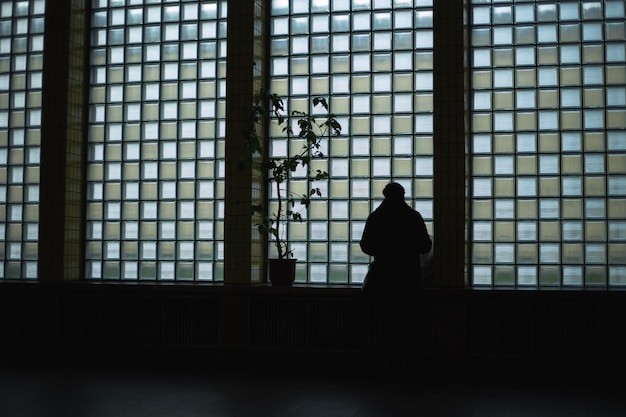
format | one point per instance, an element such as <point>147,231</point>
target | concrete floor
<point>95,388</point>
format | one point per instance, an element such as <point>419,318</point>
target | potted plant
<point>310,130</point>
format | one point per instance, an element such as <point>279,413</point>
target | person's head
<point>394,192</point>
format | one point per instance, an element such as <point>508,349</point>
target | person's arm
<point>424,243</point>
<point>368,241</point>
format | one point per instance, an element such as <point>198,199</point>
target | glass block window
<point>373,61</point>
<point>548,146</point>
<point>21,74</point>
<point>156,140</point>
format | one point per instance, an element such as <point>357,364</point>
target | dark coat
<point>395,235</point>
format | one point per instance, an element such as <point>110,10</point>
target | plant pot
<point>282,271</point>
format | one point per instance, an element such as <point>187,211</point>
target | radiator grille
<point>174,321</point>
<point>344,325</point>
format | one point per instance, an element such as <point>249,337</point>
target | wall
<point>454,325</point>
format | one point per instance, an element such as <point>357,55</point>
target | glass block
<point>204,271</point>
<point>339,230</point>
<point>423,103</point>
<point>481,37</point>
<point>595,186</point>
<point>111,270</point>
<point>527,276</point>
<point>572,254</point>
<point>424,39</point>
<point>130,270</point>
<point>111,230</point>
<point>482,209</point>
<point>549,276</point>
<point>30,268</point>
<point>525,99</point>
<point>617,230</point>
<point>482,231</point>
<point>595,231</point>
<point>402,167</point>
<point>339,188</point>
<point>166,250</point>
<point>615,119</point>
<point>186,210</point>
<point>593,119</point>
<point>317,252</point>
<point>595,253</point>
<point>617,275</point>
<point>148,270</point>
<point>549,187</point>
<point>316,210</point>
<point>526,165</point>
<point>31,212</point>
<point>130,250</point>
<point>503,165</point>
<point>185,251</point>
<point>524,35</point>
<point>616,253</point>
<point>317,273</point>
<point>572,276</point>
<point>595,276</point>
<point>504,253</point>
<point>481,79</point>
<point>503,143</point>
<point>572,208</point>
<point>482,275</point>
<point>319,230</point>
<point>527,253</point>
<point>112,250</point>
<point>423,81</point>
<point>31,233</point>
<point>526,231</point>
<point>205,251</point>
<point>482,253</point>
<point>504,231</point>
<point>357,273</point>
<point>571,186</point>
<point>571,164</point>
<point>339,253</point>
<point>185,271</point>
<point>593,54</point>
<point>481,15</point>
<point>526,187</point>
<point>549,164</point>
<point>481,144</point>
<point>424,167</point>
<point>504,276</point>
<point>166,270</point>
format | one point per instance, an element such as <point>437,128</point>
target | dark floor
<point>95,388</point>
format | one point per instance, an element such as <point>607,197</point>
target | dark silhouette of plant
<point>312,130</point>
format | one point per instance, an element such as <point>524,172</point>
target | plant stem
<point>278,240</point>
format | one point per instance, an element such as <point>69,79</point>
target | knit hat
<point>393,191</point>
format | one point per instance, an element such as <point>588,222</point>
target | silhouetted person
<point>395,235</point>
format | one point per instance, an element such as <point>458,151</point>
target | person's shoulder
<point>416,213</point>
<point>374,214</point>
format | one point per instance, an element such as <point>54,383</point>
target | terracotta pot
<point>282,271</point>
